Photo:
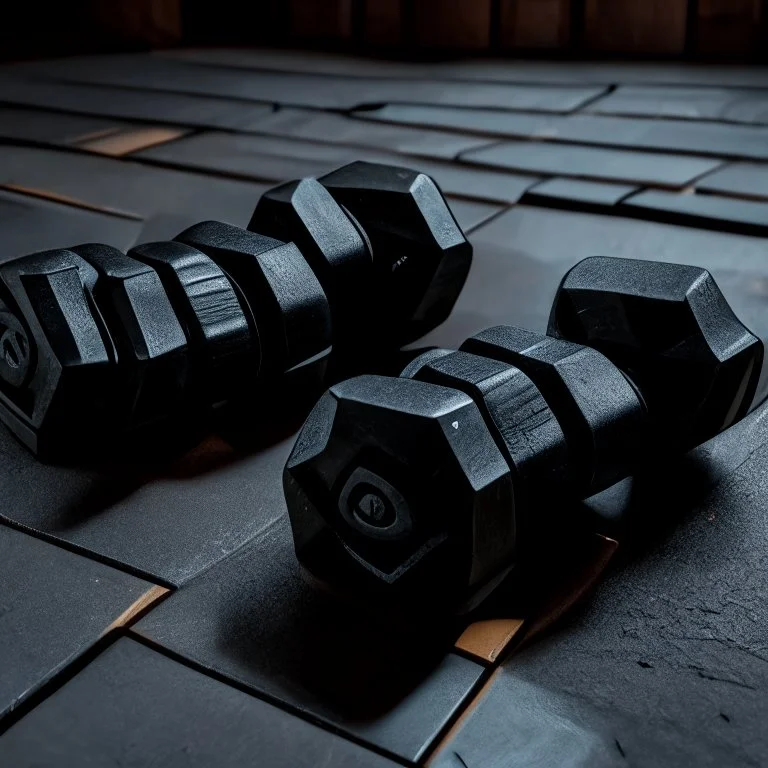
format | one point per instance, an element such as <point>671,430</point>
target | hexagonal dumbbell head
<point>603,417</point>
<point>150,343</point>
<point>56,357</point>
<point>282,294</point>
<point>669,328</point>
<point>517,416</point>
<point>421,257</point>
<point>223,347</point>
<point>305,213</point>
<point>397,486</point>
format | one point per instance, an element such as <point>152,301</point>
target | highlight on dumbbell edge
<point>433,485</point>
<point>96,343</point>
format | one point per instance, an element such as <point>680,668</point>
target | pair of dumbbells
<point>430,487</point>
<point>96,345</point>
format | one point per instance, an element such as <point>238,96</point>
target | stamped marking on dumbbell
<point>399,263</point>
<point>373,510</point>
<point>14,350</point>
<point>374,506</point>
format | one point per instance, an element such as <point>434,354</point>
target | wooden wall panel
<point>636,26</point>
<point>728,28</point>
<point>458,24</point>
<point>383,24</point>
<point>233,22</point>
<point>321,19</point>
<point>142,22</point>
<point>535,23</point>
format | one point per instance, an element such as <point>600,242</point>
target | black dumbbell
<point>96,343</point>
<point>384,245</point>
<point>116,343</point>
<point>432,486</point>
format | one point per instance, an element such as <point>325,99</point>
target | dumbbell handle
<point>669,328</point>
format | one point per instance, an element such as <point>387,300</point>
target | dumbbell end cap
<point>395,487</point>
<point>671,330</point>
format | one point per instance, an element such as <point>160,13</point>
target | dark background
<point>701,29</point>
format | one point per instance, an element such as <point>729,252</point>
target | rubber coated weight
<point>224,354</point>
<point>55,354</point>
<point>603,418</point>
<point>335,247</point>
<point>669,328</point>
<point>283,295</point>
<point>421,257</point>
<point>149,340</point>
<point>415,463</point>
<point>518,418</point>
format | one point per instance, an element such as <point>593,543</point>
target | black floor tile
<point>742,216</point>
<point>499,70</point>
<point>306,89</point>
<point>169,520</point>
<point>732,104</point>
<point>666,665</point>
<point>521,256</point>
<point>295,60</point>
<point>279,159</point>
<point>470,214</point>
<point>130,186</point>
<point>335,128</point>
<point>163,226</point>
<point>518,722</point>
<point>55,605</point>
<point>196,111</point>
<point>683,136</point>
<point>740,179</point>
<point>258,157</point>
<point>134,706</point>
<point>45,127</point>
<point>255,619</point>
<point>539,98</point>
<point>592,162</point>
<point>719,139</point>
<point>29,224</point>
<point>491,122</point>
<point>573,192</point>
<point>476,183</point>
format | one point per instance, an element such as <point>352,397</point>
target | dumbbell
<point>384,245</point>
<point>430,487</point>
<point>96,344</point>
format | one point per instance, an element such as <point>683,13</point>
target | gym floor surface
<point>154,612</point>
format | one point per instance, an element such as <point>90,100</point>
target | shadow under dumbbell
<point>643,513</point>
<point>255,619</point>
<point>645,510</point>
<point>164,509</point>
<point>353,666</point>
<point>172,501</point>
<point>231,439</point>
